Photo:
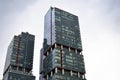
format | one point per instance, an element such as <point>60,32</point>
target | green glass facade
<point>63,28</point>
<point>61,55</point>
<point>18,76</point>
<point>19,60</point>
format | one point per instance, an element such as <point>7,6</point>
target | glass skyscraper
<point>61,55</point>
<point>19,59</point>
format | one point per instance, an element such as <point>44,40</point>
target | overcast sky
<point>99,25</point>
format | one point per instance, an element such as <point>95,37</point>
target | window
<point>11,78</point>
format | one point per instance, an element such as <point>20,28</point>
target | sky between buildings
<point>99,22</point>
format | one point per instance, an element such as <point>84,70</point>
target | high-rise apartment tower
<point>61,55</point>
<point>19,59</point>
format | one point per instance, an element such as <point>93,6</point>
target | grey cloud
<point>110,10</point>
<point>111,7</point>
<point>113,10</point>
<point>112,4</point>
<point>8,7</point>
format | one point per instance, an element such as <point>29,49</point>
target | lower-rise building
<point>19,59</point>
